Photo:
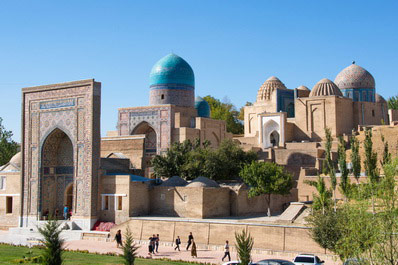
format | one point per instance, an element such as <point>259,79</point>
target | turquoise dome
<point>172,69</point>
<point>202,107</point>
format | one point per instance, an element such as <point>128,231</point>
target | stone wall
<point>270,237</point>
<point>13,190</point>
<point>131,146</point>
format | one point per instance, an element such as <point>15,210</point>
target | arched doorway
<point>57,169</point>
<point>69,196</point>
<point>150,137</point>
<point>274,138</point>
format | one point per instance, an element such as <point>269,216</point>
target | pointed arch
<point>150,136</point>
<point>57,171</point>
<point>269,129</point>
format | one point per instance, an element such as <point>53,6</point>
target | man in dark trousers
<point>190,238</point>
<point>178,243</point>
<point>226,251</point>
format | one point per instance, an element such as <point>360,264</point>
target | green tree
<point>244,246</point>
<point>323,199</point>
<point>129,248</point>
<point>226,112</point>
<point>171,163</point>
<point>386,153</point>
<point>344,180</point>
<point>266,178</point>
<point>392,102</point>
<point>52,242</point>
<point>330,170</point>
<point>355,158</point>
<point>371,164</point>
<point>190,161</point>
<point>8,148</point>
<point>325,228</point>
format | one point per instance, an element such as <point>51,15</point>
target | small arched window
<point>162,96</point>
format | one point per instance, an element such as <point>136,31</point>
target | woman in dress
<point>193,250</point>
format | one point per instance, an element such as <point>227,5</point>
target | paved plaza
<point>165,250</point>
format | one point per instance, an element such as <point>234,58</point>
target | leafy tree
<point>355,158</point>
<point>330,170</point>
<point>244,246</point>
<point>325,228</point>
<point>129,248</point>
<point>171,163</point>
<point>266,178</point>
<point>8,148</point>
<point>371,164</point>
<point>52,242</point>
<point>344,180</point>
<point>323,199</point>
<point>386,153</point>
<point>190,161</point>
<point>226,112</point>
<point>392,102</point>
<point>242,111</point>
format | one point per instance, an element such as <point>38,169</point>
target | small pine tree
<point>329,163</point>
<point>244,246</point>
<point>52,243</point>
<point>129,248</point>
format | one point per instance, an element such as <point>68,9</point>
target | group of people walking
<point>154,245</point>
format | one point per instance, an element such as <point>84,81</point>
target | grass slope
<point>8,254</point>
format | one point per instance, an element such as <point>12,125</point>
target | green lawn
<point>8,254</point>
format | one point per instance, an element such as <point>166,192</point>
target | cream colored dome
<point>325,87</point>
<point>303,88</point>
<point>269,86</point>
<point>16,160</point>
<point>203,182</point>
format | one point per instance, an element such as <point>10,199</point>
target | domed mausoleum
<point>172,81</point>
<point>356,83</point>
<point>202,107</point>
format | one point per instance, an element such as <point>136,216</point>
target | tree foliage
<point>226,112</point>
<point>355,158</point>
<point>344,180</point>
<point>242,111</point>
<point>322,200</point>
<point>386,153</point>
<point>8,148</point>
<point>190,161</point>
<point>244,246</point>
<point>129,248</point>
<point>52,242</point>
<point>266,178</point>
<point>356,232</point>
<point>392,102</point>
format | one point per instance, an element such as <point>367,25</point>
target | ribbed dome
<point>303,88</point>
<point>354,76</point>
<point>202,107</point>
<point>269,86</point>
<point>380,99</point>
<point>325,87</point>
<point>172,69</point>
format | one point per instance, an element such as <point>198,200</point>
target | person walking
<point>150,249</point>
<point>226,251</point>
<point>193,250</point>
<point>153,243</point>
<point>190,239</point>
<point>157,242</point>
<point>66,211</point>
<point>178,243</point>
<point>118,238</point>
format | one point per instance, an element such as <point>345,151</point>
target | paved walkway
<point>208,256</point>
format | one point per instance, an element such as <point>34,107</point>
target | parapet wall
<point>266,237</point>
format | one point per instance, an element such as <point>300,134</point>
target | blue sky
<point>232,46</point>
